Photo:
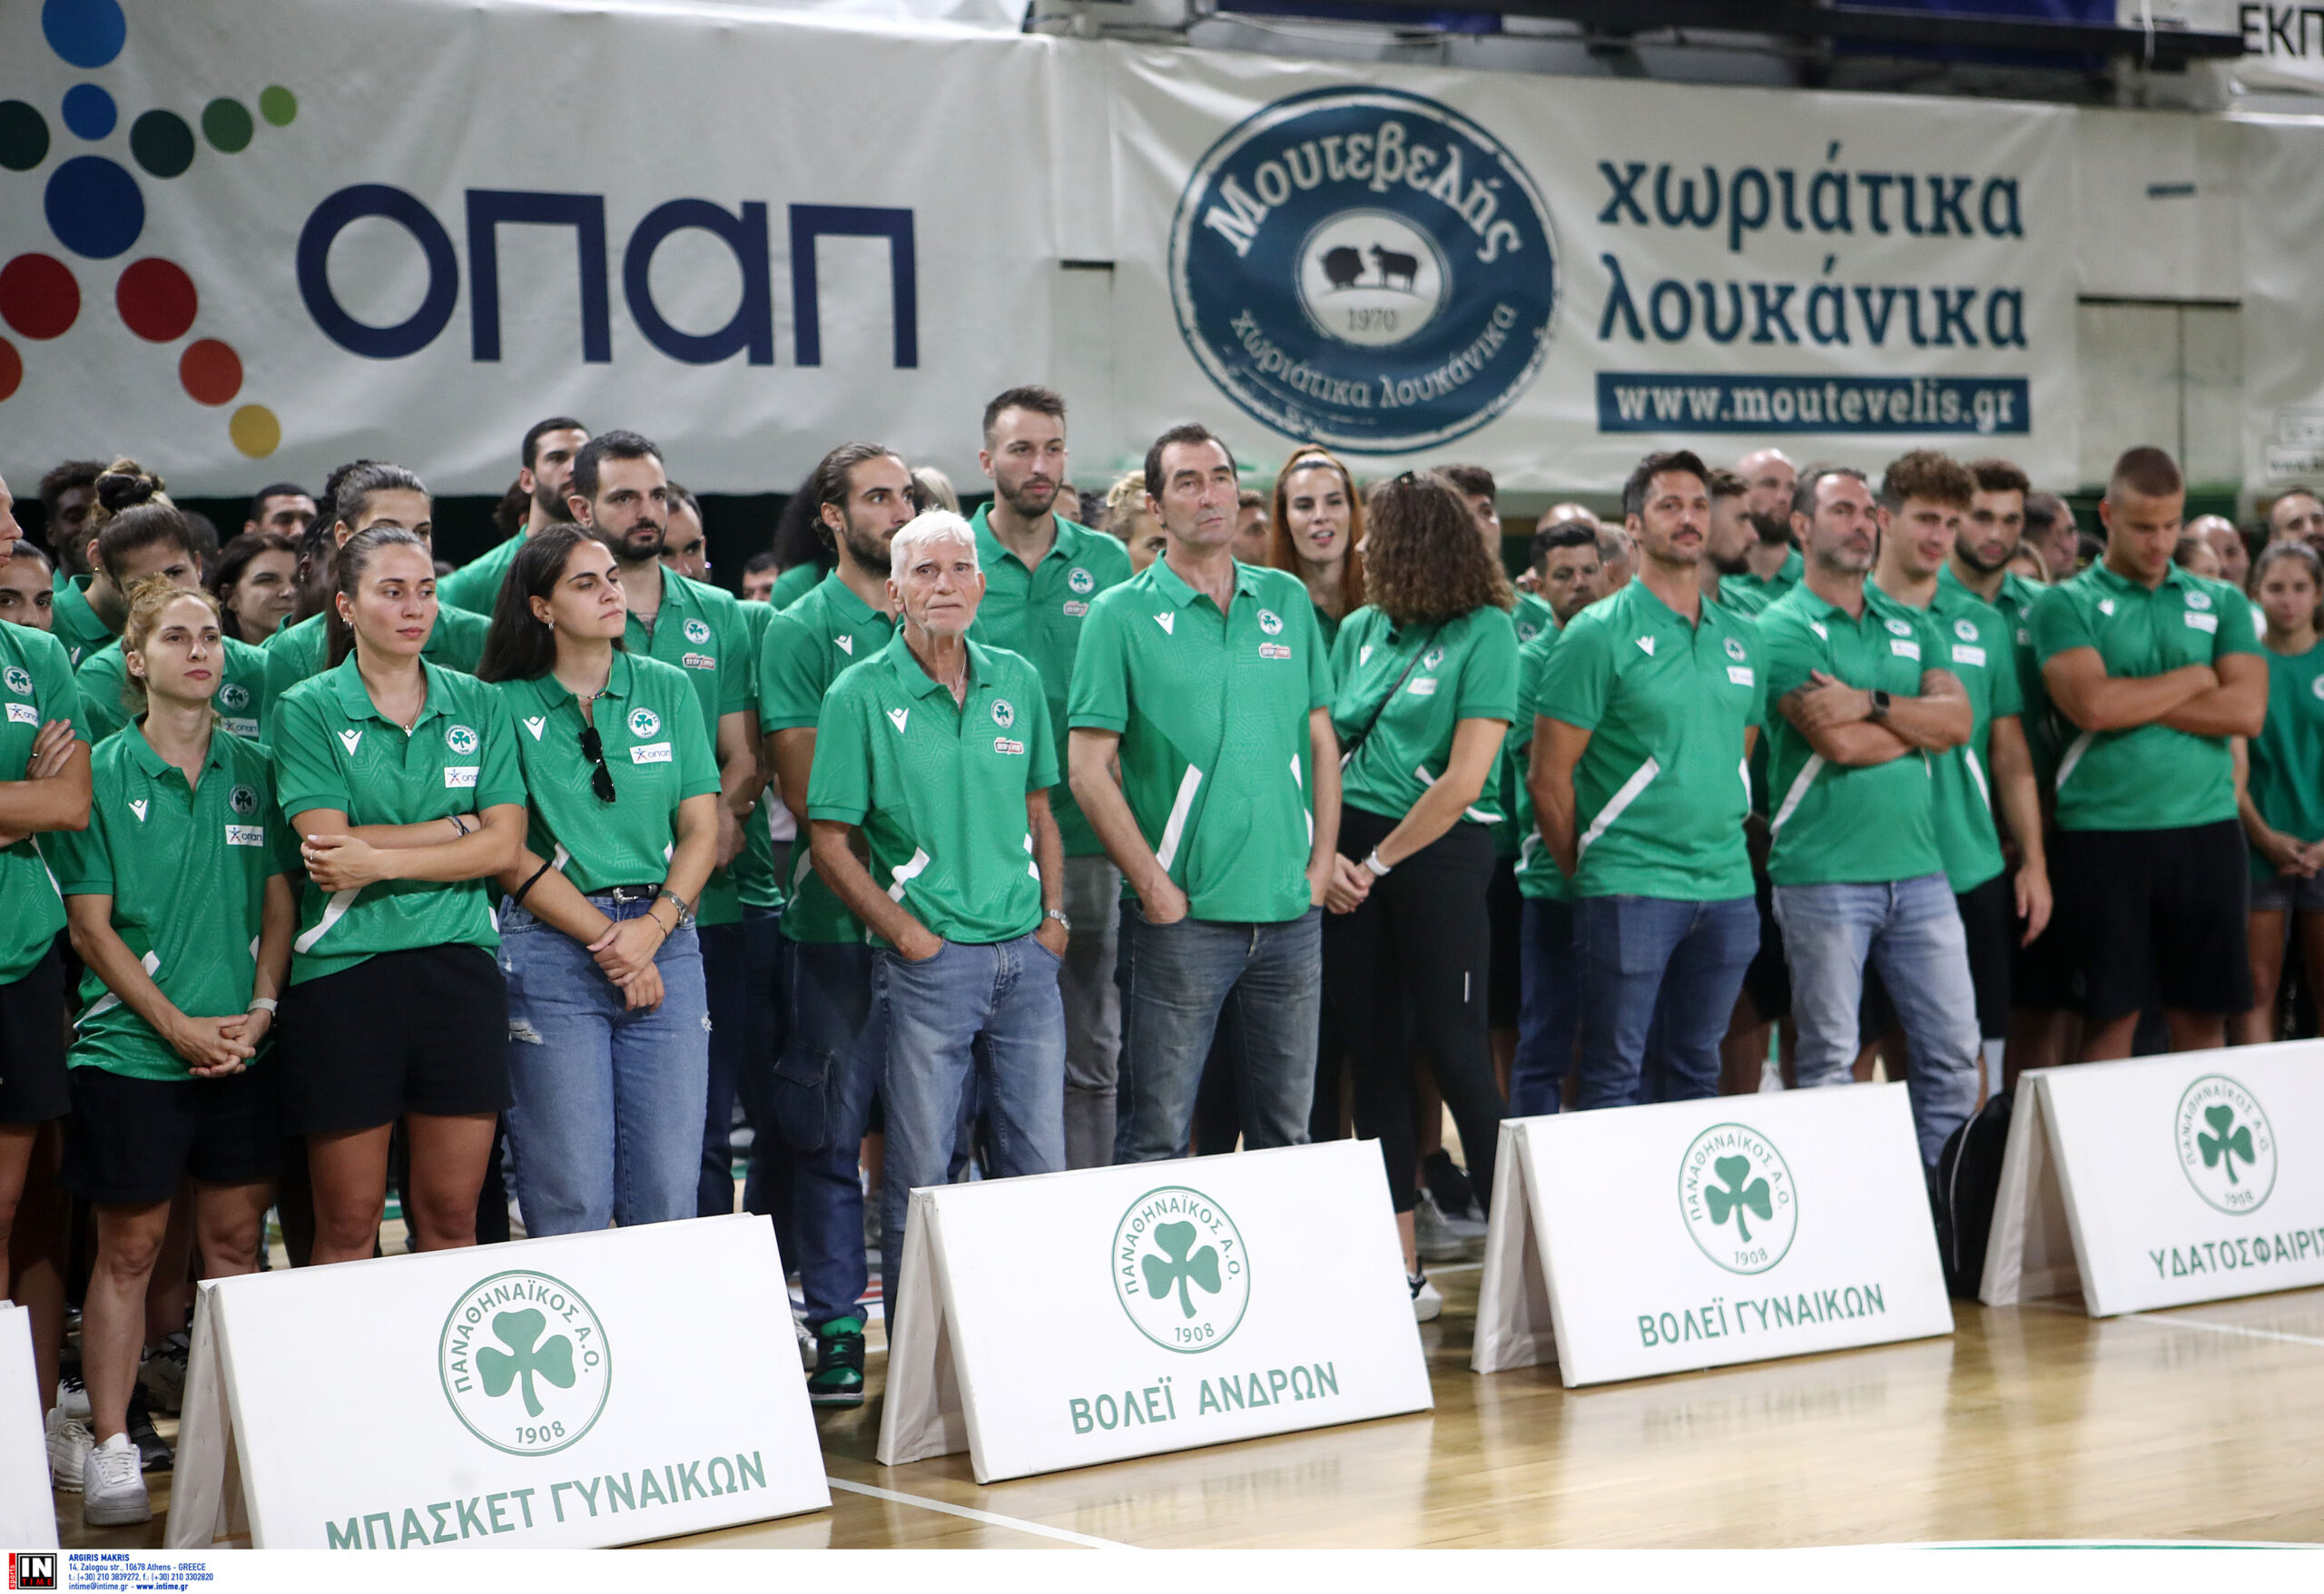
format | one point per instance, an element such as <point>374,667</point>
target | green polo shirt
<point>2014,601</point>
<point>1327,625</point>
<point>1414,686</point>
<point>1662,791</point>
<point>332,749</point>
<point>1532,616</point>
<point>700,629</point>
<point>650,729</point>
<point>241,690</point>
<point>1212,711</point>
<point>476,585</point>
<point>73,622</point>
<point>1037,614</point>
<point>753,868</point>
<point>35,686</point>
<point>797,582</point>
<point>939,788</point>
<point>1977,646</point>
<point>2288,756</point>
<point>807,647</point>
<point>2150,778</point>
<point>1834,824</point>
<point>1538,875</point>
<point>1752,593</point>
<point>297,653</point>
<point>186,868</point>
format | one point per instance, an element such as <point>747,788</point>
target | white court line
<point>2256,1333</point>
<point>993,1518</point>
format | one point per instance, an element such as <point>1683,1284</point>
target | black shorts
<point>1504,964</point>
<point>31,1045</point>
<point>423,1031</point>
<point>130,1140</point>
<point>2156,917</point>
<point>1768,980</point>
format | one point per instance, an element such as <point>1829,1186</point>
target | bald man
<point>1769,475</point>
<point>2234,556</point>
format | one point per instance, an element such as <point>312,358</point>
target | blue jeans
<point>824,1085</point>
<point>1549,1014</point>
<point>971,1016</point>
<point>1910,929</point>
<point>1176,980</point>
<point>608,1122</point>
<point>741,965</point>
<point>1648,959</point>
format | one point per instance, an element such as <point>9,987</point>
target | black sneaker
<point>838,1377</point>
<point>1455,1196</point>
<point>153,1451</point>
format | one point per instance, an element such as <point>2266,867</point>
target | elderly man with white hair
<point>936,752</point>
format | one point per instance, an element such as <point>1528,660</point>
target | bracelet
<point>1371,862</point>
<point>260,1005</point>
<point>457,828</point>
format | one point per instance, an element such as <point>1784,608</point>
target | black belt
<point>628,893</point>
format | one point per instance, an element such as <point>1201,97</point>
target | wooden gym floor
<point>2030,1422</point>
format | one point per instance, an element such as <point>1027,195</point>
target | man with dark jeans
<point>1863,705</point>
<point>2155,670</point>
<point>936,754</point>
<point>828,1072</point>
<point>1208,680</point>
<point>1644,721</point>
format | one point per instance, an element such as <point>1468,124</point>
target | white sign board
<point>582,1391</point>
<point>2162,1181</point>
<point>1689,1235</point>
<point>1180,1304</point>
<point>27,1509</point>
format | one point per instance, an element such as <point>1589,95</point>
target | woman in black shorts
<point>401,781</point>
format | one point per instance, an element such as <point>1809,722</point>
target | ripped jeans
<point>608,1122</point>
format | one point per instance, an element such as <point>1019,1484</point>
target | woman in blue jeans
<point>608,1022</point>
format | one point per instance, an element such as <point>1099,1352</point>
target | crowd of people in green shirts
<point>1241,819</point>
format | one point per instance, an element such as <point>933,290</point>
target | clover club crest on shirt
<point>1270,621</point>
<point>462,740</point>
<point>1966,629</point>
<point>643,723</point>
<point>697,631</point>
<point>19,680</point>
<point>1004,713</point>
<point>1899,628</point>
<point>1735,649</point>
<point>242,801</point>
<point>1081,581</point>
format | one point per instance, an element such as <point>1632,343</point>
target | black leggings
<point>1406,972</point>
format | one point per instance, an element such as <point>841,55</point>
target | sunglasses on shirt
<point>601,778</point>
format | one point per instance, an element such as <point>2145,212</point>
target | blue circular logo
<point>1366,268</point>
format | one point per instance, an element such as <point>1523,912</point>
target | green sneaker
<point>838,1377</point>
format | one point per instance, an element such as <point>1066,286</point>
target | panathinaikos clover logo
<point>1179,1269</point>
<point>525,1362</point>
<point>2226,1147</point>
<point>1736,1197</point>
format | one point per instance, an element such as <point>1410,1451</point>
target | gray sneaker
<point>160,1373</point>
<point>1433,1235</point>
<point>68,1451</point>
<point>114,1492</point>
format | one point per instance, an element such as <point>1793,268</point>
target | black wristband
<point>518,899</point>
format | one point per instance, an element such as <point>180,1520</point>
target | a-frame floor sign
<point>1682,1236</point>
<point>2162,1181</point>
<point>1177,1304</point>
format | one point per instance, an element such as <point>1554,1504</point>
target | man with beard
<point>1727,547</point>
<point>546,461</point>
<point>1041,572</point>
<point>1860,701</point>
<point>68,496</point>
<point>837,1047</point>
<point>1925,503</point>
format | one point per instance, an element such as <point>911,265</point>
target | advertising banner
<point>1700,1233</point>
<point>570,1393</point>
<point>2162,1181</point>
<point>1181,1305</point>
<point>251,243</point>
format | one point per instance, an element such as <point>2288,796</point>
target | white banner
<point>27,1509</point>
<point>2283,315</point>
<point>1700,1233</point>
<point>577,1391</point>
<point>411,230</point>
<point>2163,1181</point>
<point>1178,1304</point>
<point>2283,45</point>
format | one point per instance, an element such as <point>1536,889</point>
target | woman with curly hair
<point>1317,534</point>
<point>1427,675</point>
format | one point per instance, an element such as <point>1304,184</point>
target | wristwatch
<point>1880,710</point>
<point>1063,923</point>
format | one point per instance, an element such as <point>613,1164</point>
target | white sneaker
<point>1433,1235</point>
<point>68,1451</point>
<point>114,1492</point>
<point>161,1372</point>
<point>73,1398</point>
<point>1427,1305</point>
